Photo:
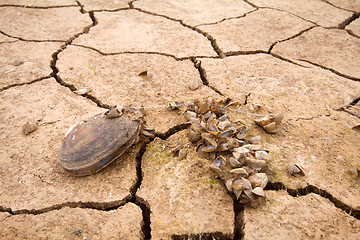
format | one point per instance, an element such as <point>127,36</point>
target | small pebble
<point>193,85</point>
<point>29,128</point>
<point>354,172</point>
<point>146,74</point>
<point>182,154</point>
<point>17,62</point>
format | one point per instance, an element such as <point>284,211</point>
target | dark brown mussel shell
<point>91,145</point>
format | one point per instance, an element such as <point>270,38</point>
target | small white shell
<point>255,140</point>
<point>258,191</point>
<point>240,152</point>
<point>295,170</point>
<point>241,171</point>
<point>189,115</point>
<point>253,147</point>
<point>113,113</point>
<point>262,155</point>
<point>83,91</point>
<point>271,128</point>
<point>229,184</point>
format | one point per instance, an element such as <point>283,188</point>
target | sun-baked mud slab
<point>183,192</point>
<point>22,62</point>
<point>256,31</point>
<point>352,5</point>
<point>134,31</point>
<point>305,217</point>
<point>280,86</point>
<point>354,27</point>
<point>196,12</point>
<point>38,3</point>
<point>43,24</point>
<point>315,11</point>
<point>331,48</point>
<point>72,223</point>
<point>29,166</point>
<point>93,5</point>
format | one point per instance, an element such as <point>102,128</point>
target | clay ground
<point>301,58</point>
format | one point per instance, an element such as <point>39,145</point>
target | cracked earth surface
<point>298,59</point>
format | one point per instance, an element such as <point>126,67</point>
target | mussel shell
<point>241,184</point>
<point>295,170</point>
<point>262,155</point>
<point>193,136</point>
<point>91,145</point>
<point>258,191</point>
<point>263,121</point>
<point>209,148</point>
<point>234,163</point>
<point>277,118</point>
<point>190,114</point>
<point>258,180</point>
<point>228,184</point>
<point>255,163</point>
<point>240,171</point>
<point>271,128</point>
<point>223,124</point>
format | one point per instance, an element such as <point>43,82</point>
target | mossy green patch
<point>158,154</point>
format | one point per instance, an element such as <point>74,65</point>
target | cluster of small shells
<point>237,158</point>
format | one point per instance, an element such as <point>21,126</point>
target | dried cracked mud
<point>298,59</point>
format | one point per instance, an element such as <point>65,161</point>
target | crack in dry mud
<point>24,83</point>
<point>345,108</point>
<point>131,5</point>
<point>240,53</point>
<point>208,36</point>
<point>140,52</point>
<point>202,236</point>
<point>351,33</point>
<point>55,70</point>
<point>140,202</point>
<point>203,76</point>
<point>289,38</point>
<point>81,6</point>
<point>353,103</point>
<point>349,20</point>
<point>37,7</point>
<point>331,70</point>
<point>103,206</point>
<point>248,52</point>
<point>281,10</point>
<point>239,221</point>
<point>31,40</point>
<point>172,130</point>
<point>336,6</point>
<point>228,18</point>
<point>251,4</point>
<point>313,189</point>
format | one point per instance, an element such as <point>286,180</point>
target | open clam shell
<point>91,145</point>
<point>295,170</point>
